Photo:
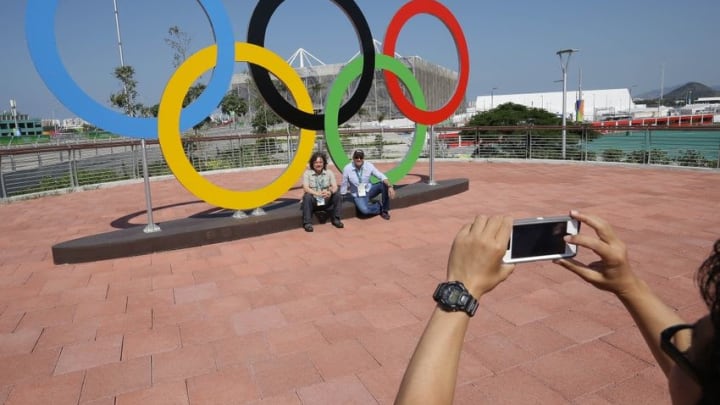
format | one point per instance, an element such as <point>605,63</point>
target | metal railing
<point>75,165</point>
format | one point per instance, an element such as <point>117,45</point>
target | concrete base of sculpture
<point>198,231</point>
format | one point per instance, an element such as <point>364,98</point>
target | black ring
<point>256,35</point>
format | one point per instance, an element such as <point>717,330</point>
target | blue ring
<point>40,34</point>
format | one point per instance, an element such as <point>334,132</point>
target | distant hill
<point>682,92</point>
<point>692,89</point>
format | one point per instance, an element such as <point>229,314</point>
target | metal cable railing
<point>74,165</point>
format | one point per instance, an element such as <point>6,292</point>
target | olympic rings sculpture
<point>173,118</point>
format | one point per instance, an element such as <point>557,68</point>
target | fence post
<point>133,150</point>
<point>72,167</point>
<point>151,226</point>
<point>3,193</point>
<point>528,144</point>
<point>240,151</point>
<point>431,180</point>
<point>287,144</point>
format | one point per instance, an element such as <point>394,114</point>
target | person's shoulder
<point>347,166</point>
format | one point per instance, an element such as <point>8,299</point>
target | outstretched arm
<point>476,260</point>
<point>613,273</point>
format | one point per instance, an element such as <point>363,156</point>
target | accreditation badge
<point>362,189</point>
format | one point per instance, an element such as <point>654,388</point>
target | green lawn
<point>34,140</point>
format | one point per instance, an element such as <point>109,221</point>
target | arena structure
<point>437,82</point>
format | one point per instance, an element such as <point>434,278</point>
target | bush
<point>692,158</point>
<point>86,177</point>
<point>155,169</point>
<point>637,156</point>
<point>573,153</point>
<point>612,155</point>
<point>266,145</point>
<point>486,151</point>
<point>379,145</point>
<point>658,157</point>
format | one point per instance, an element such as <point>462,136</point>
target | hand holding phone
<point>476,254</point>
<point>613,271</point>
<point>541,238</point>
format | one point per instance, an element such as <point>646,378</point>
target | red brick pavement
<point>333,316</point>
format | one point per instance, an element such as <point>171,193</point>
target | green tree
<point>263,116</point>
<point>152,111</point>
<point>125,98</point>
<point>179,41</point>
<point>193,93</point>
<point>233,105</point>
<point>509,114</point>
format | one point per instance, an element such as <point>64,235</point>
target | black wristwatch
<point>453,296</point>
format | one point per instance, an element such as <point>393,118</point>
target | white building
<point>597,102</point>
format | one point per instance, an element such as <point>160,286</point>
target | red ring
<point>406,12</point>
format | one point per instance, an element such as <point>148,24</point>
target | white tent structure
<point>597,102</point>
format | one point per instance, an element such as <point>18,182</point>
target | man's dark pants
<point>333,206</point>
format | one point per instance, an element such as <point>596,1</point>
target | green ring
<point>332,107</point>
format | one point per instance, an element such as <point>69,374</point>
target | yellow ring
<point>169,128</point>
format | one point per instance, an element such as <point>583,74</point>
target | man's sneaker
<point>385,215</point>
<point>308,227</point>
<point>337,223</point>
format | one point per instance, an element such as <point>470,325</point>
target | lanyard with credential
<point>359,174</point>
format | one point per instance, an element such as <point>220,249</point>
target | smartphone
<point>541,238</point>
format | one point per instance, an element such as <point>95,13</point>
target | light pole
<point>13,110</point>
<point>122,57</point>
<point>492,94</point>
<point>563,66</point>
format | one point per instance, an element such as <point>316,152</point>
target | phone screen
<point>538,239</point>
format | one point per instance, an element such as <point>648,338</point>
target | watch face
<point>453,295</point>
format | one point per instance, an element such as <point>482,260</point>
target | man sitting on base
<point>321,193</point>
<point>356,178</point>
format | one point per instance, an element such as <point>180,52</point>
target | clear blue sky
<point>512,43</point>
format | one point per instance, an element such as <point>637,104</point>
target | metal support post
<point>71,167</point>
<point>431,180</point>
<point>257,212</point>
<point>239,214</point>
<point>3,193</point>
<point>151,226</point>
<point>563,66</point>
